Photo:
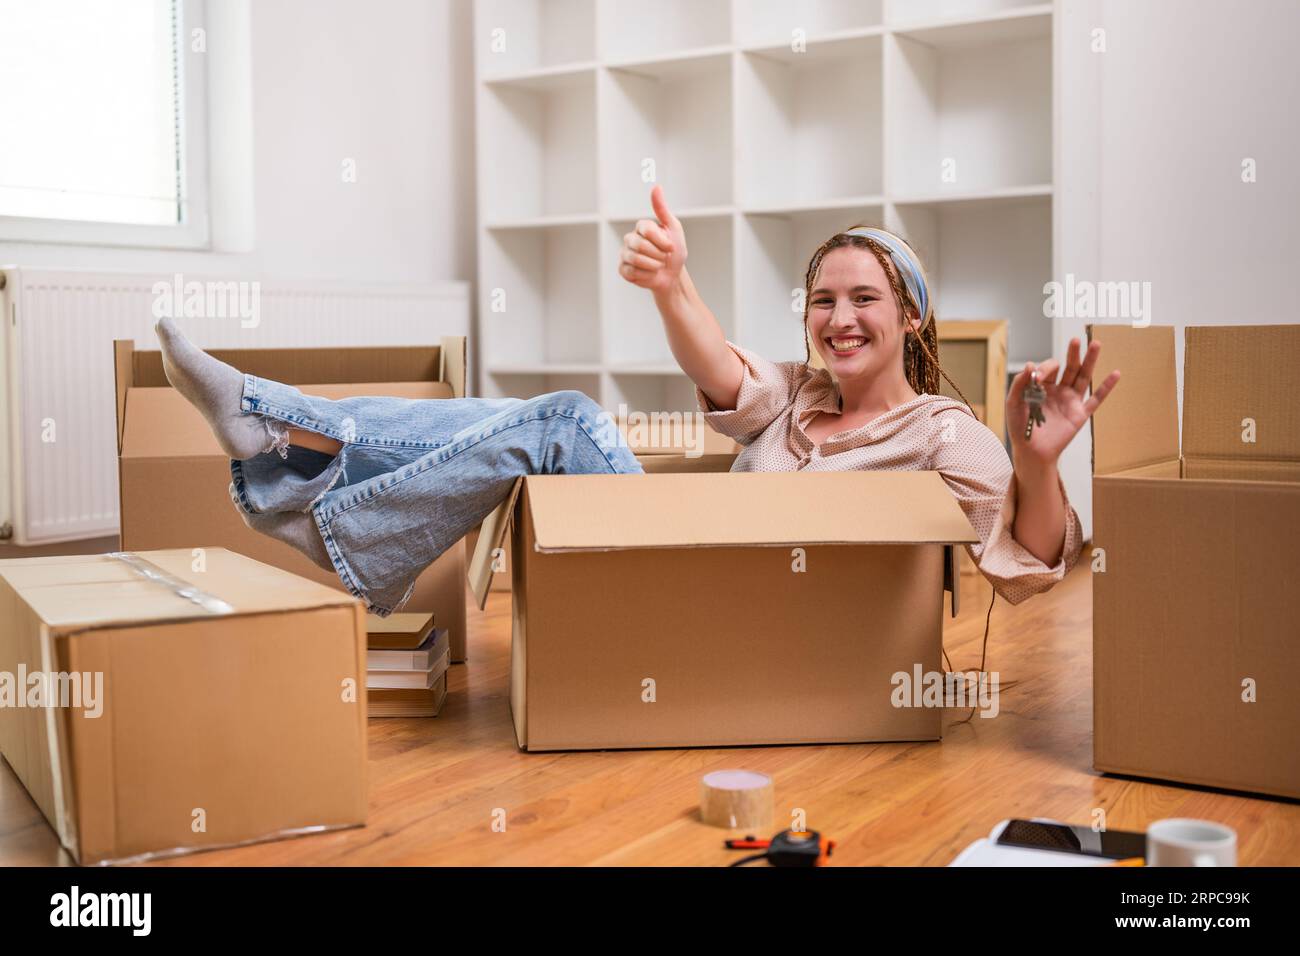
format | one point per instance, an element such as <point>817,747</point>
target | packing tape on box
<point>182,589</point>
<point>65,824</point>
<point>56,732</point>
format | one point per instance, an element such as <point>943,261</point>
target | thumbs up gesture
<point>654,254</point>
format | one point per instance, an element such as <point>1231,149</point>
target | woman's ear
<point>912,320</point>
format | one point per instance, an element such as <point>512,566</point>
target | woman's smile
<point>847,344</point>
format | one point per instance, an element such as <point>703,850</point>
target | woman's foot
<point>215,389</point>
<point>294,528</point>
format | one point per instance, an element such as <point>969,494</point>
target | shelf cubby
<point>773,253</point>
<point>538,138</point>
<point>776,23</point>
<point>676,115</point>
<point>529,384</point>
<point>969,112</point>
<point>516,36</point>
<point>635,334</point>
<point>988,259</point>
<point>906,13</point>
<point>636,30</point>
<point>650,392</point>
<point>546,277</point>
<point>809,124</point>
<point>765,148</point>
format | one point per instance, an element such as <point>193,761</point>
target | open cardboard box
<point>1197,609</point>
<point>678,442</point>
<point>222,713</point>
<point>674,442</point>
<point>173,476</point>
<point>668,610</point>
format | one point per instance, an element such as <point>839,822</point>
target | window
<point>101,117</point>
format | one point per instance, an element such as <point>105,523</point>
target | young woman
<point>868,312</point>
<point>376,488</point>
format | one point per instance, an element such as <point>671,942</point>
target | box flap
<point>1241,469</point>
<point>492,535</point>
<point>455,361</point>
<point>123,379</point>
<point>1235,373</point>
<point>601,512</point>
<point>78,592</point>
<point>1138,422</point>
<point>334,366</point>
<point>160,423</point>
<point>658,464</point>
<point>952,576</point>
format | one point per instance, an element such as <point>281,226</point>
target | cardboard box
<point>500,580</point>
<point>678,442</point>
<point>687,445</point>
<point>974,354</point>
<point>173,476</point>
<point>690,581</point>
<point>221,715</point>
<point>1197,607</point>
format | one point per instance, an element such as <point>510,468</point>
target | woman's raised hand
<point>1066,405</point>
<point>655,252</point>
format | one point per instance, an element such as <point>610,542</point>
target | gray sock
<point>294,528</point>
<point>215,389</point>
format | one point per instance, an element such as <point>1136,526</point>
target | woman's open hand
<point>1065,409</point>
<point>655,252</point>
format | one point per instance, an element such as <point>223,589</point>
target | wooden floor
<point>435,784</point>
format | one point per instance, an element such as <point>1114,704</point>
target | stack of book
<point>406,665</point>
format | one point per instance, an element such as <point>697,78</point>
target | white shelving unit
<point>772,124</point>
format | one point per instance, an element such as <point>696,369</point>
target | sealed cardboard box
<point>706,609</point>
<point>1195,608</point>
<point>182,701</point>
<point>173,476</point>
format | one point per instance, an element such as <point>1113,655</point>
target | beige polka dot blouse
<point>929,433</point>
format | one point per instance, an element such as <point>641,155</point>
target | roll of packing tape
<point>736,799</point>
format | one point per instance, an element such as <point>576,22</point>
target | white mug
<point>1186,842</point>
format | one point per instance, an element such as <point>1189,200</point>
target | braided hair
<point>920,347</point>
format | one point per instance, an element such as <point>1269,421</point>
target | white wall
<point>388,83</point>
<point>1152,136</point>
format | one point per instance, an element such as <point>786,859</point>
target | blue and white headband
<point>905,261</point>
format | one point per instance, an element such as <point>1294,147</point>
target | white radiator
<point>58,479</point>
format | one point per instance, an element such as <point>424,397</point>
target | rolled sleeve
<point>766,390</point>
<point>1013,570</point>
<point>978,471</point>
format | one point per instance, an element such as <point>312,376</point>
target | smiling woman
<point>886,306</point>
<point>869,314</point>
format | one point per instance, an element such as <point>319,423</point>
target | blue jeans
<point>413,476</point>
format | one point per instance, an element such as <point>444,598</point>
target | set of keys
<point>1035,395</point>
